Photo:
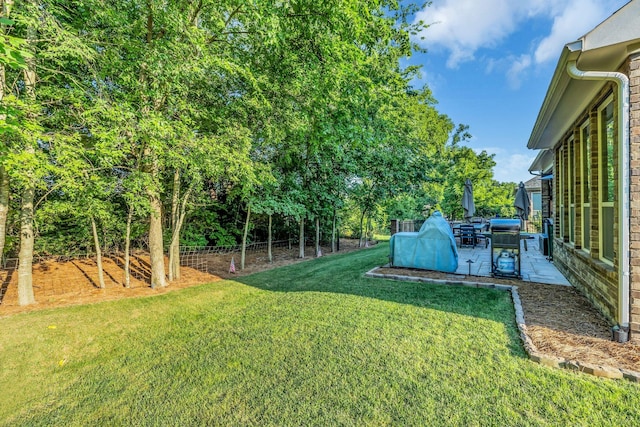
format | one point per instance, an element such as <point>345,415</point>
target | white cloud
<point>569,25</point>
<point>464,26</point>
<point>512,167</point>
<point>518,66</point>
<point>461,27</point>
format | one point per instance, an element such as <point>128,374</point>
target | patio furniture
<point>482,226</point>
<point>467,235</point>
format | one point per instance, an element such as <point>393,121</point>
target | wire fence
<point>201,257</point>
<point>80,268</point>
<point>206,250</point>
<point>12,263</point>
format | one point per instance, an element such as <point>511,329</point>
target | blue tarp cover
<point>432,248</point>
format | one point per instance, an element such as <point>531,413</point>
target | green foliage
<point>209,228</point>
<point>60,232</point>
<point>13,50</point>
<point>299,110</point>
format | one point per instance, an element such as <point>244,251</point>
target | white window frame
<point>571,157</point>
<point>585,159</point>
<point>560,196</point>
<point>601,180</point>
<point>561,184</point>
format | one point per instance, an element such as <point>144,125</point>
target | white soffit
<point>543,162</point>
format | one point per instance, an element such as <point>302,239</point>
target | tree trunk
<point>244,238</point>
<point>367,231</point>
<point>318,252</point>
<point>175,199</point>
<point>96,243</point>
<point>174,247</point>
<point>4,207</point>
<point>269,240</point>
<point>360,243</point>
<point>127,250</point>
<point>156,251</point>
<point>156,248</point>
<point>333,233</point>
<point>4,176</point>
<point>174,258</point>
<point>25,256</point>
<point>301,243</point>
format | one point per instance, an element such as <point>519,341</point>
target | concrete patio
<point>535,267</point>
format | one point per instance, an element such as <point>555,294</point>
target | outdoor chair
<point>467,235</point>
<point>481,236</point>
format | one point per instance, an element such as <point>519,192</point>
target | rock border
<point>529,346</point>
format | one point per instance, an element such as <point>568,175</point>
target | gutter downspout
<point>623,188</point>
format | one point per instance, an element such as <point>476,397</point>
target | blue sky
<point>489,63</point>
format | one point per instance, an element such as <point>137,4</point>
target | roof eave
<point>559,81</point>
<point>543,162</point>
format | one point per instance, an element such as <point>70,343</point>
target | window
<point>606,173</point>
<point>571,192</point>
<point>585,146</point>
<point>560,188</point>
<point>536,201</point>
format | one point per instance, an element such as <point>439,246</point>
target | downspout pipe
<point>623,188</point>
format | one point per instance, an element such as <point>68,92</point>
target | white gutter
<point>623,188</point>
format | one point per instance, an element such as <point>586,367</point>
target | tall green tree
<point>11,56</point>
<point>42,135</point>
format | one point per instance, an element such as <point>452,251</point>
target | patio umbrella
<point>467,200</point>
<point>522,202</point>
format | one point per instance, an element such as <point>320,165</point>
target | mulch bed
<point>560,321</point>
<point>75,282</point>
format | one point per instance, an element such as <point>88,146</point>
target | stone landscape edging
<point>529,346</point>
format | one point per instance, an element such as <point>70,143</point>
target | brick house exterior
<point>588,131</point>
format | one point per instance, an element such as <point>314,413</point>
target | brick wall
<point>596,280</point>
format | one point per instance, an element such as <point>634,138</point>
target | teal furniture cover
<point>431,248</point>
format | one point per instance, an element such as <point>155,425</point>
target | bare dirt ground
<point>75,282</point>
<point>560,321</point>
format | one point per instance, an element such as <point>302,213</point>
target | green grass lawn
<point>310,344</point>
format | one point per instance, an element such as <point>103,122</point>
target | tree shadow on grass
<point>344,274</point>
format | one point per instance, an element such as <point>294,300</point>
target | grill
<point>505,247</point>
